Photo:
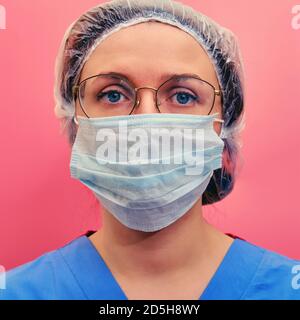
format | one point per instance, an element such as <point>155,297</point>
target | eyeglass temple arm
<point>75,91</point>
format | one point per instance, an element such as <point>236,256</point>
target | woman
<point>143,65</point>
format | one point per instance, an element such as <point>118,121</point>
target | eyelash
<point>194,98</point>
<point>105,93</point>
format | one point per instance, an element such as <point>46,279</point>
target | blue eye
<point>113,96</point>
<point>184,97</point>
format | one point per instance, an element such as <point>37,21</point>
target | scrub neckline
<point>97,281</point>
<point>203,294</point>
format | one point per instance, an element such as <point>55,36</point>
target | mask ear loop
<point>222,133</point>
<point>75,120</point>
<point>219,120</point>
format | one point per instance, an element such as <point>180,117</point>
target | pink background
<point>42,207</point>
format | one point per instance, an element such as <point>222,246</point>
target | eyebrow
<point>162,78</point>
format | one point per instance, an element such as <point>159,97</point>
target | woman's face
<point>148,54</point>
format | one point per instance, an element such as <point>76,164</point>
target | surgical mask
<point>147,170</point>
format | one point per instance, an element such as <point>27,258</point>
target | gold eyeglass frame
<point>75,89</point>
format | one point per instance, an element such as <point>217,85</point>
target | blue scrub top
<point>77,271</point>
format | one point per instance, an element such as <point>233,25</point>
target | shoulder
<point>41,278</point>
<point>276,276</point>
<point>31,280</point>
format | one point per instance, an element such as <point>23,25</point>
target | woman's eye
<point>111,96</point>
<point>184,97</point>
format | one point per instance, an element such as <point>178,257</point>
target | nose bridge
<point>145,106</point>
<point>145,87</point>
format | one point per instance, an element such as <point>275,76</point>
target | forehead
<point>146,50</point>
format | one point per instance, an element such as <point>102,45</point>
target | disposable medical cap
<point>85,34</point>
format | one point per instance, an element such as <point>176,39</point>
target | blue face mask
<point>147,170</point>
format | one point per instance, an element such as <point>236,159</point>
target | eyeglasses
<point>105,95</point>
